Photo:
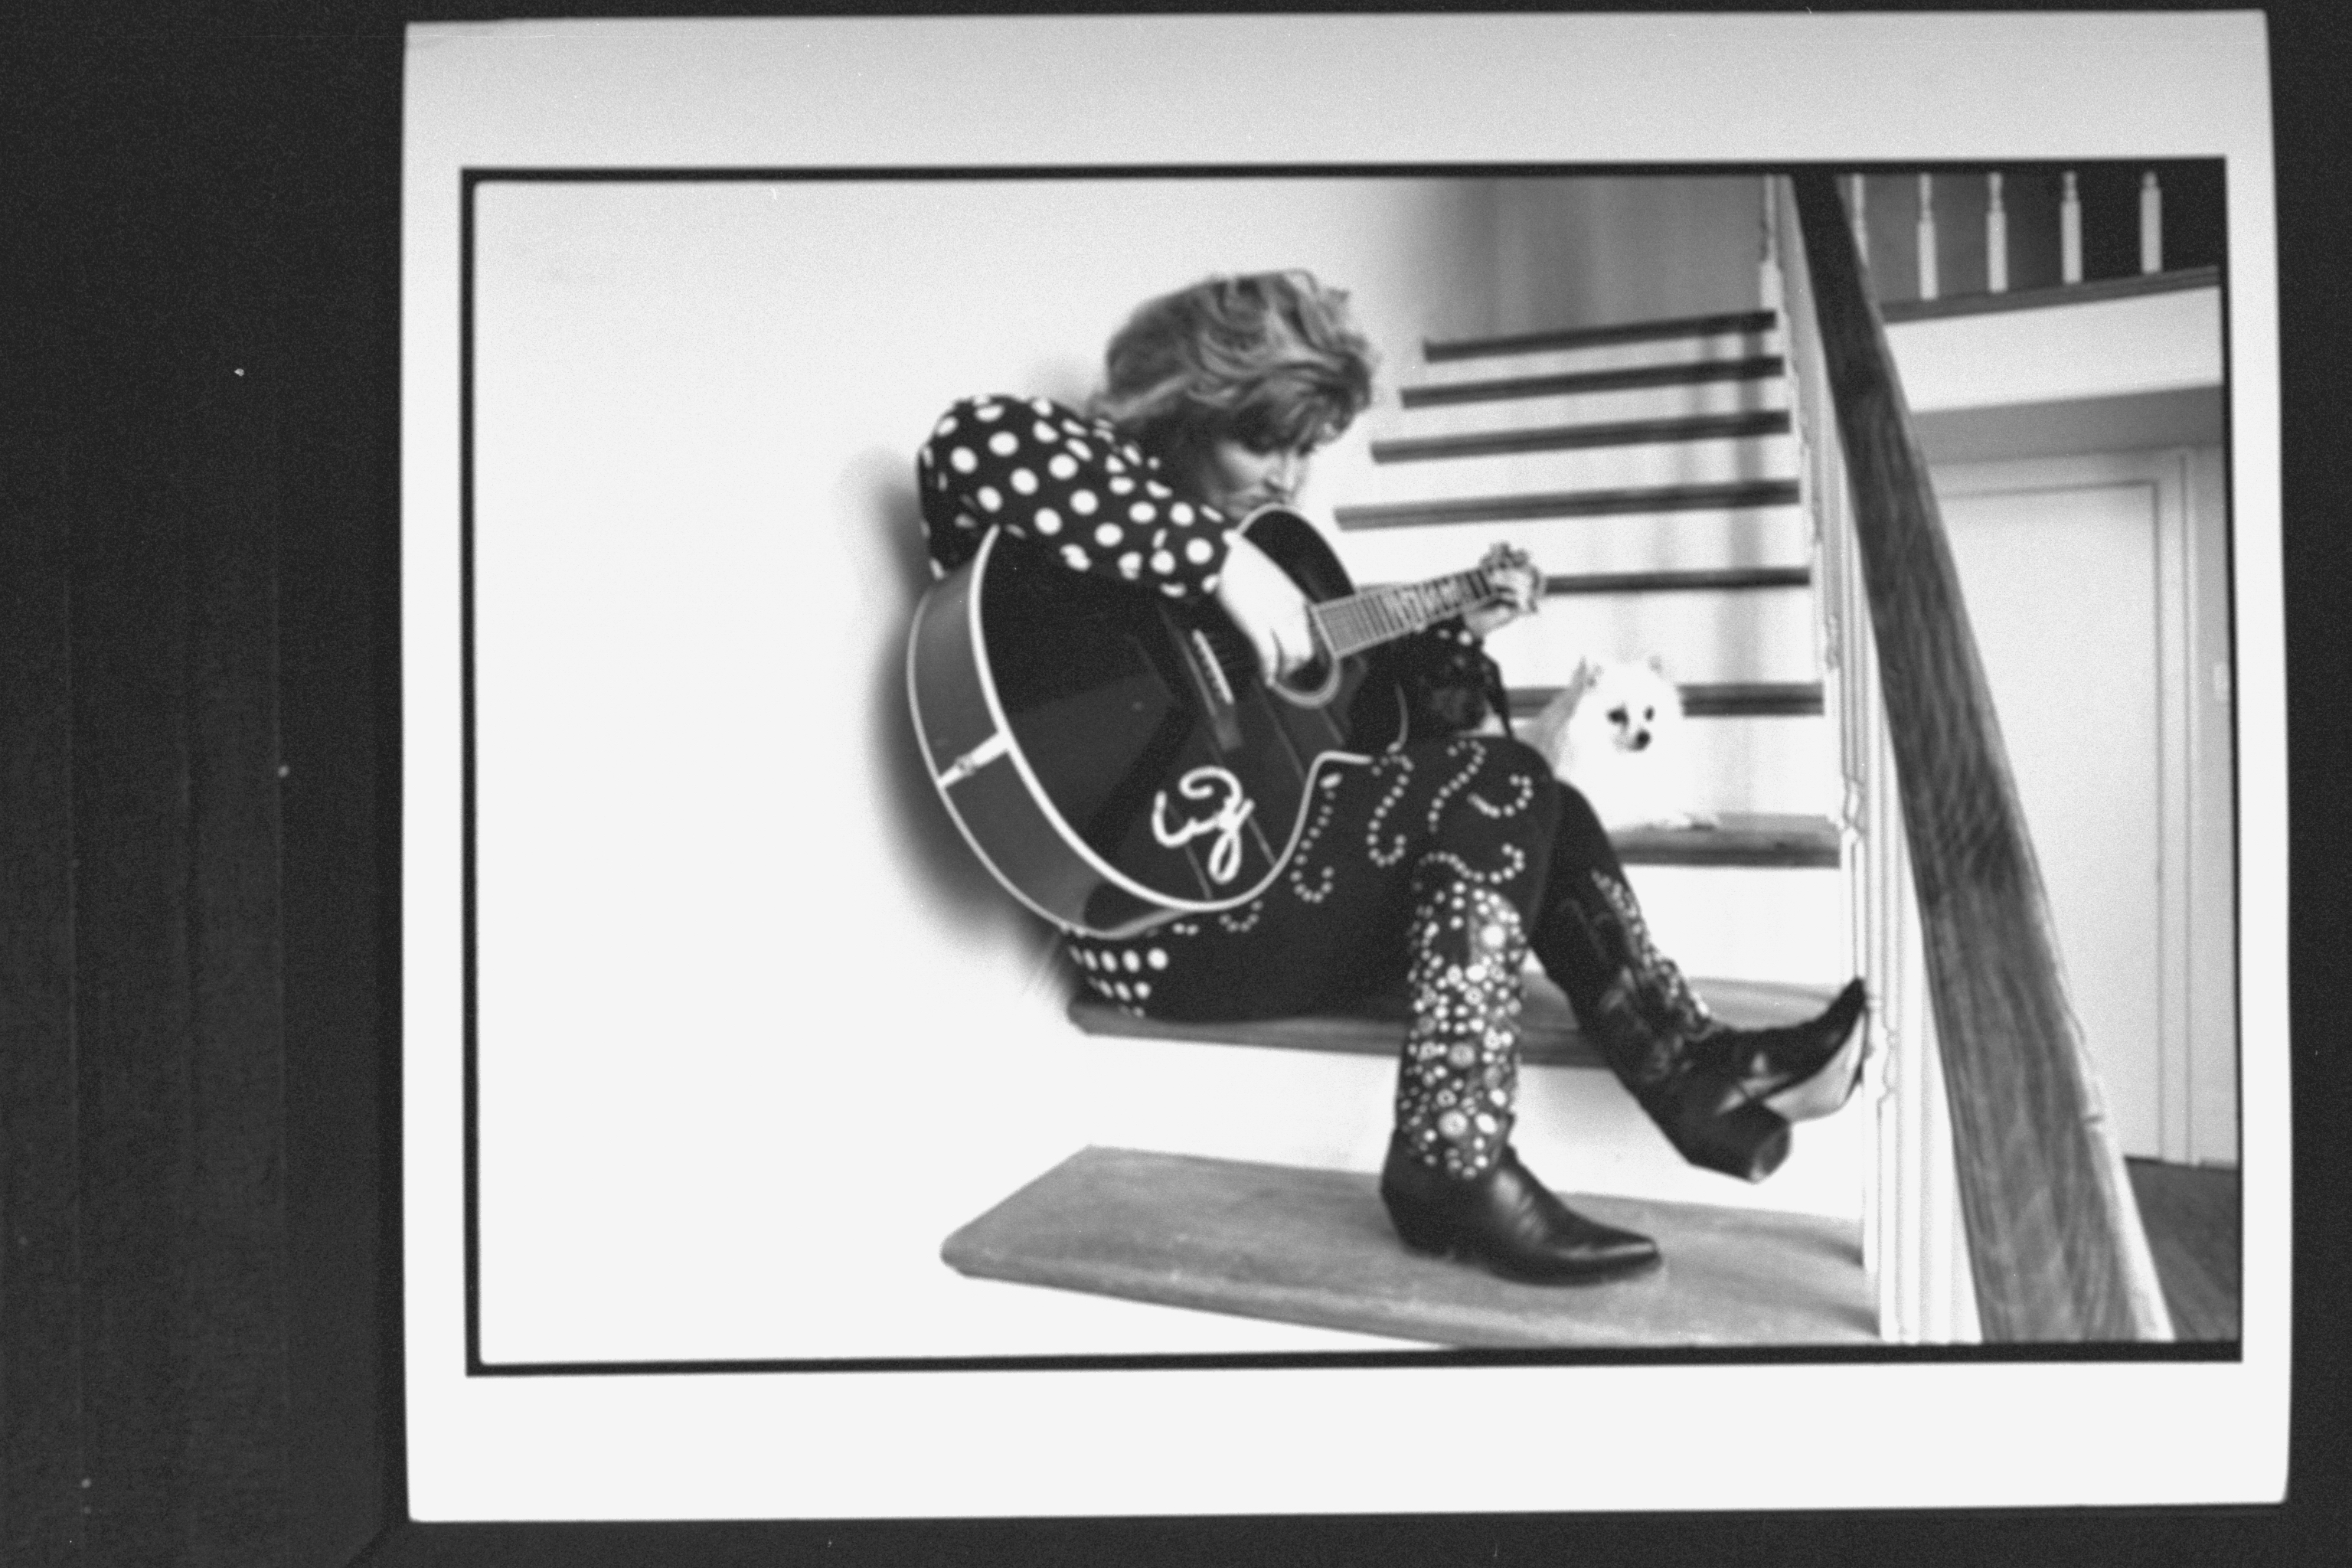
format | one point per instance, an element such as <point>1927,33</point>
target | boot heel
<point>1748,1142</point>
<point>1426,1243</point>
<point>1420,1229</point>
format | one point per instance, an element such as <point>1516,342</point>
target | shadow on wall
<point>968,898</point>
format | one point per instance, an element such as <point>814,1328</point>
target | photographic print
<point>1201,772</point>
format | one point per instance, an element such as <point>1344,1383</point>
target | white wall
<point>2129,381</point>
<point>1589,250</point>
<point>2131,347</point>
<point>794,1021</point>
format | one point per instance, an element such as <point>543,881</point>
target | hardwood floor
<point>2191,1217</point>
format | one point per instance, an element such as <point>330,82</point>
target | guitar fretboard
<point>1350,625</point>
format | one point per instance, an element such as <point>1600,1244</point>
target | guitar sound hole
<point>1310,686</point>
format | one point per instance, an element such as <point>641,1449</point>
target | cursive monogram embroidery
<point>1224,820</point>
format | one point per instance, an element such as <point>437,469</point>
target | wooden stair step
<point>1757,839</point>
<point>1709,699</point>
<point>1573,467</point>
<point>1753,367</point>
<point>1314,1247</point>
<point>1714,579</point>
<point>1570,438</point>
<point>1392,420</point>
<point>1587,547</point>
<point>1595,337</point>
<point>1376,1025</point>
<point>1737,495</point>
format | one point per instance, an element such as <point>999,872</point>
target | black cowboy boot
<point>1799,1070</point>
<point>1705,1113</point>
<point>1506,1221</point>
<point>1723,1097</point>
<point>1452,1183</point>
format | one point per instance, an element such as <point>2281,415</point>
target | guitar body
<point>1112,754</point>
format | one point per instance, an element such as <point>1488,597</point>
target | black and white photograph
<point>1597,413</point>
<point>1161,758</point>
<point>1194,787</point>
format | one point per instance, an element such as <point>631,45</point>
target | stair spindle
<point>1996,238</point>
<point>1860,215</point>
<point>2070,232</point>
<point>2151,224</point>
<point>1927,280</point>
<point>1767,269</point>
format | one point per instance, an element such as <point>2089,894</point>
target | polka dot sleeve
<point>1042,471</point>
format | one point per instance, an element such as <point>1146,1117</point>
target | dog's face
<point>1631,706</point>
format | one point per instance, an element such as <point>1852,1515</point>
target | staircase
<point>1651,470</point>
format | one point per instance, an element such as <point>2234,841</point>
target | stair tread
<point>1709,699</point>
<point>1685,580</point>
<point>1577,406</point>
<point>1375,1026</point>
<point>1754,367</point>
<point>1303,1246</point>
<point>1742,424</point>
<point>1730,495</point>
<point>1735,838</point>
<point>1443,349</point>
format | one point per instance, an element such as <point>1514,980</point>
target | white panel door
<point>2062,586</point>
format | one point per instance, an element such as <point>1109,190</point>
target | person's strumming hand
<point>1267,606</point>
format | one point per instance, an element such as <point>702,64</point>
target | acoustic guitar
<point>1117,758</point>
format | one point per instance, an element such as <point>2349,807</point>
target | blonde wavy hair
<point>1271,360</point>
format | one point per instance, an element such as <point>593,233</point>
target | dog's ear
<point>1656,664</point>
<point>1587,672</point>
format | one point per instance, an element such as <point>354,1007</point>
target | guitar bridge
<point>1217,692</point>
<point>1212,666</point>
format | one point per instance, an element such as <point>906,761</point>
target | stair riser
<point>1779,765</point>
<point>1756,636</point>
<point>1747,922</point>
<point>1583,468</point>
<point>1391,420</point>
<point>1578,546</point>
<point>1602,356</point>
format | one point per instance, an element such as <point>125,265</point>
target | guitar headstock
<point>1517,583</point>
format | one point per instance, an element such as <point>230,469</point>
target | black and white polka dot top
<point>1045,472</point>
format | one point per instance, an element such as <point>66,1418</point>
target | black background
<point>199,1359</point>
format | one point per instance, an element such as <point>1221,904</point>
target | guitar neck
<point>1360,621</point>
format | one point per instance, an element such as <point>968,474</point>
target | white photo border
<point>1285,92</point>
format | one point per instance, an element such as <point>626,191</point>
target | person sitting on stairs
<point>1444,862</point>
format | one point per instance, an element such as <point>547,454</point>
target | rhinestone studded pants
<point>1437,867</point>
<point>1337,924</point>
<point>1424,867</point>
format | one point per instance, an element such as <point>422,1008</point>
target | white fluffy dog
<point>1615,732</point>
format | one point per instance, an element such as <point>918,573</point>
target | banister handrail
<point>2054,1242</point>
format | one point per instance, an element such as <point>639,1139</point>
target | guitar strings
<point>1357,621</point>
